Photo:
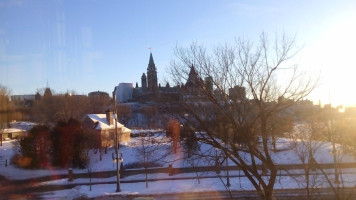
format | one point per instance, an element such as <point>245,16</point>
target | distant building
<point>98,94</point>
<point>150,90</point>
<point>152,75</point>
<point>47,92</point>
<point>194,80</point>
<point>237,93</point>
<point>18,130</point>
<point>104,126</point>
<point>12,133</point>
<point>350,111</point>
<point>124,92</point>
<point>23,100</point>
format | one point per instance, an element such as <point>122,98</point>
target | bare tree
<point>150,113</point>
<point>124,112</point>
<point>151,150</point>
<point>333,126</point>
<point>241,123</point>
<point>71,105</point>
<point>50,109</point>
<point>306,142</point>
<point>99,103</point>
<point>5,106</point>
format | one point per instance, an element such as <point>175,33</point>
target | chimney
<point>109,117</point>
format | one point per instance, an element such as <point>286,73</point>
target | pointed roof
<point>151,64</point>
<point>193,79</point>
<point>192,73</point>
<point>47,92</point>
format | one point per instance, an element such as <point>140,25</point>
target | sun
<point>333,52</point>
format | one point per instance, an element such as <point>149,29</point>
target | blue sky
<point>88,45</point>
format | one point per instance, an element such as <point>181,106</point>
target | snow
<point>103,124</point>
<point>284,155</point>
<point>177,186</point>
<point>129,152</point>
<point>12,130</point>
<point>22,125</point>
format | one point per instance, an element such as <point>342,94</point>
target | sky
<point>90,45</point>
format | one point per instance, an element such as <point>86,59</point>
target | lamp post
<point>116,144</point>
<point>227,172</point>
<point>217,161</point>
<point>227,166</point>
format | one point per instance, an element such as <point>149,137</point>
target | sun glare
<point>333,53</point>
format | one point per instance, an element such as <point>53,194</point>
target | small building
<point>26,126</point>
<point>12,133</point>
<point>16,130</point>
<point>104,126</point>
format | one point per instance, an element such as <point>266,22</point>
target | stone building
<point>150,90</point>
<point>104,126</point>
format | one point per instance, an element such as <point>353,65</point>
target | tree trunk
<point>268,193</point>
<point>307,180</point>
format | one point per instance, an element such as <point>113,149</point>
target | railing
<point>172,170</point>
<point>3,162</point>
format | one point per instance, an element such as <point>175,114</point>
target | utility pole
<point>116,144</point>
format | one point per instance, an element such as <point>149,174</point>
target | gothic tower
<point>152,75</point>
<point>144,82</point>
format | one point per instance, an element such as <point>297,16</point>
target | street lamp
<point>227,166</point>
<point>227,172</point>
<point>217,161</point>
<point>116,144</point>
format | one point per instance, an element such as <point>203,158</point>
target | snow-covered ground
<point>285,155</point>
<point>130,155</point>
<point>179,186</point>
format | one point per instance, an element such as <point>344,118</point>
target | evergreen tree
<point>36,147</point>
<point>70,143</point>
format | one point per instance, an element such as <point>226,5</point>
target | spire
<point>144,81</point>
<point>193,79</point>
<point>151,64</point>
<point>192,72</point>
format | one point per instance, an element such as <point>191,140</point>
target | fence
<point>3,162</point>
<point>172,170</point>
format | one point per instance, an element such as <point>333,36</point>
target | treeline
<point>65,145</point>
<point>48,109</point>
<point>62,107</point>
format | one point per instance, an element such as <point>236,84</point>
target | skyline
<point>93,45</point>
